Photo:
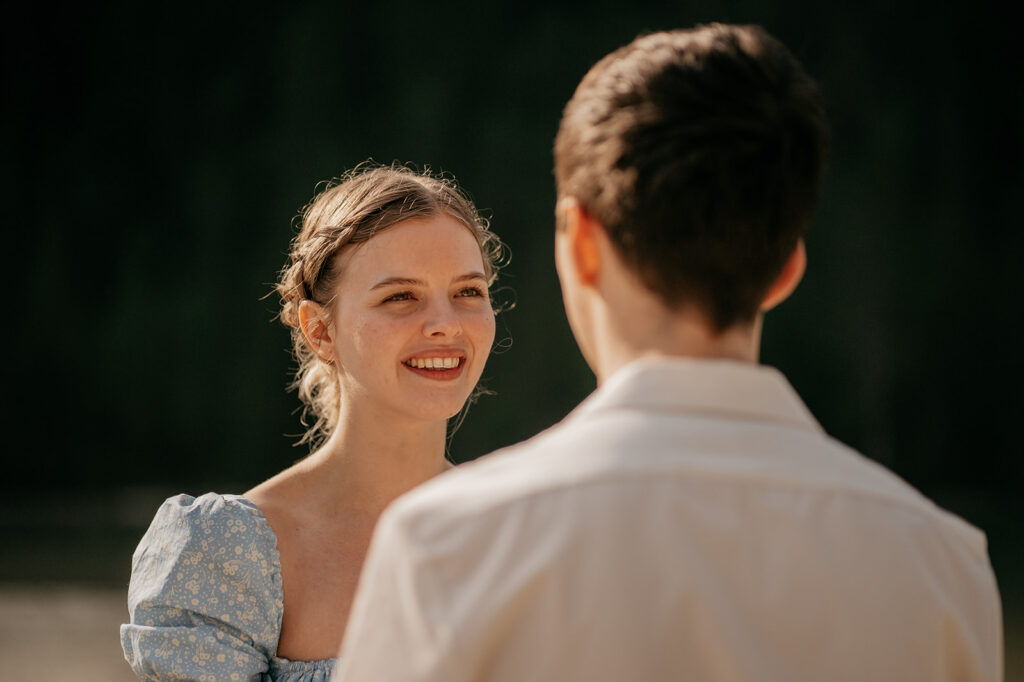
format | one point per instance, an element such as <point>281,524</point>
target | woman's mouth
<point>438,368</point>
<point>434,363</point>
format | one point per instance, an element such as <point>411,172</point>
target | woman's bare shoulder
<point>278,499</point>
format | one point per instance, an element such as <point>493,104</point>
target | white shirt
<point>689,521</point>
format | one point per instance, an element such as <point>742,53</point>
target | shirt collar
<point>726,388</point>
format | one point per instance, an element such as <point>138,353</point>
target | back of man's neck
<point>684,336</point>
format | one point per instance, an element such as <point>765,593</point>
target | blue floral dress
<point>205,600</point>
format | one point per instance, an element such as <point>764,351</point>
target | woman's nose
<point>442,320</point>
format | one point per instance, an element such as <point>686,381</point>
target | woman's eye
<point>470,291</point>
<point>402,296</point>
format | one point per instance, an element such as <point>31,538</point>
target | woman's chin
<point>437,411</point>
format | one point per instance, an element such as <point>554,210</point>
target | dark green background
<point>154,156</point>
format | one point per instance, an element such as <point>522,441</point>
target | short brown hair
<point>701,154</point>
<point>350,210</point>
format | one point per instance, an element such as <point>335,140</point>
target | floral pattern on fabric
<point>205,599</point>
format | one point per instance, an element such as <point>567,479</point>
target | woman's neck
<point>369,460</point>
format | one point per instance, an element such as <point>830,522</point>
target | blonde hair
<point>350,210</point>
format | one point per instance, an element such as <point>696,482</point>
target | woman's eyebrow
<point>407,281</point>
<point>402,281</point>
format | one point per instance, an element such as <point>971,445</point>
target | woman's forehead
<point>435,243</point>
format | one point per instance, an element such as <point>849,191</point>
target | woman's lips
<point>441,367</point>
<point>435,362</point>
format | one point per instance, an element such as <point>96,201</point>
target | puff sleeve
<point>205,598</point>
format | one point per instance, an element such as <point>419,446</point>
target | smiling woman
<point>416,292</point>
<point>386,293</point>
<point>348,213</point>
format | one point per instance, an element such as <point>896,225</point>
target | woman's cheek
<point>485,324</point>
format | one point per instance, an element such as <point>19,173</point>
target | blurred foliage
<point>155,155</point>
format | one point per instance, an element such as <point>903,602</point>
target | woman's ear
<point>316,329</point>
<point>785,283</point>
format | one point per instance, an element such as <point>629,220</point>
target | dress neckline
<point>279,662</point>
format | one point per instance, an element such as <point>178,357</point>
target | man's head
<point>700,154</point>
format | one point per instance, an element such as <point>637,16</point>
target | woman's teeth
<point>434,363</point>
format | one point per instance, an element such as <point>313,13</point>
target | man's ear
<point>785,283</point>
<point>316,330</point>
<point>581,234</point>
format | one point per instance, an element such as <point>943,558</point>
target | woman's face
<point>412,322</point>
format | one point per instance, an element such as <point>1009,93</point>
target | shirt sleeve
<point>434,596</point>
<point>205,599</point>
<point>390,634</point>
